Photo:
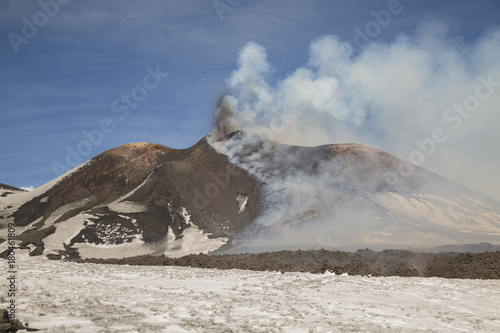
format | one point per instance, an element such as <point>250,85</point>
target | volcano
<point>241,192</point>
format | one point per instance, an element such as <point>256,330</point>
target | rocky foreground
<point>485,265</point>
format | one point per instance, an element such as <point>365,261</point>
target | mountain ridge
<point>243,192</point>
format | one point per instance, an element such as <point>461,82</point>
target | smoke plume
<point>428,98</point>
<point>392,96</point>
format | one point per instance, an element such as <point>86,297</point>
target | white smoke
<point>388,95</point>
<point>395,96</point>
<point>302,195</point>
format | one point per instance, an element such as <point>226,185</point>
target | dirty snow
<point>66,231</point>
<point>192,240</point>
<point>57,296</point>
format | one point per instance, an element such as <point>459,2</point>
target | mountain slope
<point>347,196</point>
<point>137,198</point>
<point>5,188</point>
<point>240,192</point>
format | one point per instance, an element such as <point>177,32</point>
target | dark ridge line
<point>461,265</point>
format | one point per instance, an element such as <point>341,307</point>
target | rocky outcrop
<point>12,326</point>
<point>485,265</point>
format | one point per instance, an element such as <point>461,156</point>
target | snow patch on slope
<point>242,202</point>
<point>127,207</point>
<point>65,232</point>
<point>186,216</point>
<point>65,209</point>
<point>192,240</point>
<point>451,213</point>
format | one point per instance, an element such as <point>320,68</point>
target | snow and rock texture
<point>7,189</point>
<point>59,296</point>
<point>239,192</point>
<point>135,199</point>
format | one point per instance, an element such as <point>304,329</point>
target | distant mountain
<point>473,248</point>
<point>244,193</point>
<point>9,188</point>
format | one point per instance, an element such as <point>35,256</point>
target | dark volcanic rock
<point>484,265</point>
<point>103,179</point>
<point>207,185</point>
<point>140,192</point>
<point>8,326</point>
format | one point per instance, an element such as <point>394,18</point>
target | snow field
<point>57,296</point>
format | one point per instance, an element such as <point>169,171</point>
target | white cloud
<point>28,188</point>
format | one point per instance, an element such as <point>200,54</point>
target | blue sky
<point>62,84</point>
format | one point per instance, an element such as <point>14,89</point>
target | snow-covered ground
<point>57,296</point>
